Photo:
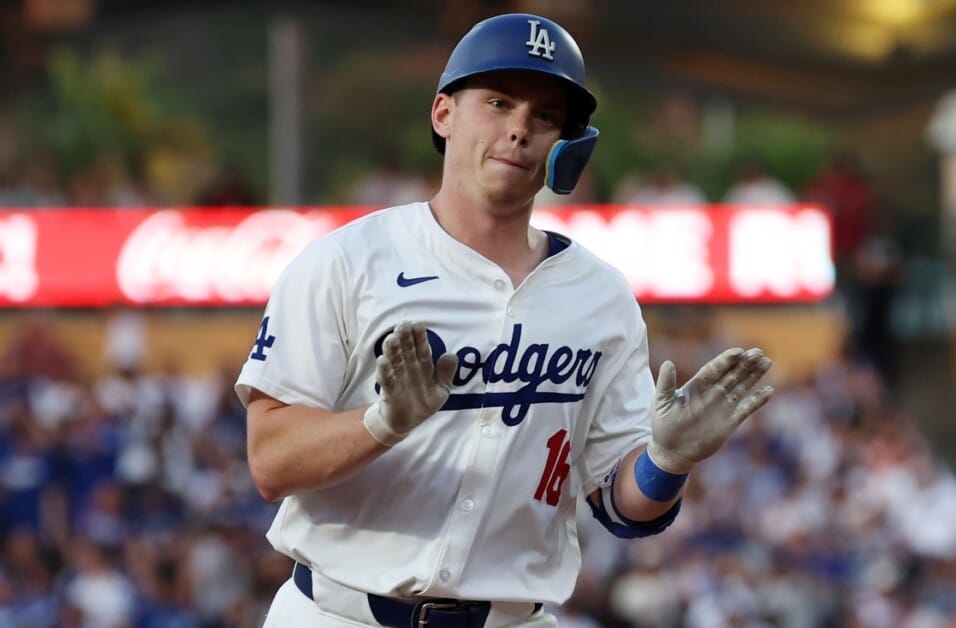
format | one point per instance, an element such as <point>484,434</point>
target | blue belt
<point>433,613</point>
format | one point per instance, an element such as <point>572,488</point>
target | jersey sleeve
<point>299,354</point>
<point>622,417</point>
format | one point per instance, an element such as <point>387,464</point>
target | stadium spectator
<point>389,184</point>
<point>843,189</point>
<point>660,188</point>
<point>33,183</point>
<point>228,187</point>
<point>755,186</point>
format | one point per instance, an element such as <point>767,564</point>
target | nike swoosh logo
<point>405,282</point>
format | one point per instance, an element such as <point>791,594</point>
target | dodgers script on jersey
<point>543,405</point>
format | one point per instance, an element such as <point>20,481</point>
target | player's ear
<point>442,108</point>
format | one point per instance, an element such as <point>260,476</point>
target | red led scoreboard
<point>231,256</point>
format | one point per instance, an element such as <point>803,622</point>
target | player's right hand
<point>412,387</point>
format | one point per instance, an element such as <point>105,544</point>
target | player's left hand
<point>690,423</point>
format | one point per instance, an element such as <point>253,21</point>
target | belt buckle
<point>428,607</point>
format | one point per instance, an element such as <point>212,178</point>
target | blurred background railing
<point>125,499</point>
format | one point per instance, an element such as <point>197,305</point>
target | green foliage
<point>616,154</point>
<point>789,147</point>
<point>371,109</point>
<point>108,106</point>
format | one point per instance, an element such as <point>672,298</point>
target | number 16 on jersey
<point>556,469</point>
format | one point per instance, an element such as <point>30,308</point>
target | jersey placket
<point>487,435</point>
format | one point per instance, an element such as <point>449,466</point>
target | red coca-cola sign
<point>222,257</point>
<point>169,256</point>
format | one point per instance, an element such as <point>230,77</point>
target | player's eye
<point>548,117</point>
<point>551,119</point>
<point>497,103</point>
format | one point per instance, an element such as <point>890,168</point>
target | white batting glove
<point>691,423</point>
<point>412,388</point>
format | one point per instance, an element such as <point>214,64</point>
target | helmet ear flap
<point>567,160</point>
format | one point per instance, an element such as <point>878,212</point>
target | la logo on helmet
<point>539,40</point>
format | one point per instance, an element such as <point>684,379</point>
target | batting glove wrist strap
<point>379,428</point>
<point>655,482</point>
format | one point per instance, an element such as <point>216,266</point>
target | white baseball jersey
<point>478,502</point>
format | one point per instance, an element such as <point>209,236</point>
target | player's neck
<point>502,237</point>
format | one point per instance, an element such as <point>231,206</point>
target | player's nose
<point>520,128</point>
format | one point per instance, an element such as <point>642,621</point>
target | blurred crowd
<point>41,181</point>
<point>828,509</point>
<point>126,501</point>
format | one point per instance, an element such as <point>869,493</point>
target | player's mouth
<point>510,162</point>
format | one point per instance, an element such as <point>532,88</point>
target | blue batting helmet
<point>520,41</point>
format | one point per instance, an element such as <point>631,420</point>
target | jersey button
<point>511,312</point>
<point>499,285</point>
<point>445,575</point>
<point>488,431</point>
<point>467,505</point>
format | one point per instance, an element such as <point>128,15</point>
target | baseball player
<point>433,385</point>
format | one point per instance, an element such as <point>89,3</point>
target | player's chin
<point>514,189</point>
<point>510,195</point>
